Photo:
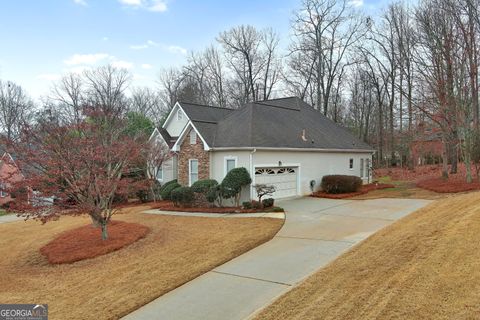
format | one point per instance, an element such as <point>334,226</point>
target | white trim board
<point>181,137</point>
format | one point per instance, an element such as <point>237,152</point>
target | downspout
<point>252,172</point>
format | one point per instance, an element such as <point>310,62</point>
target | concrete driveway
<point>316,231</point>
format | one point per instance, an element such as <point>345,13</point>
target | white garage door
<point>283,178</point>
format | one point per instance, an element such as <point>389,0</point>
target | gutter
<point>254,149</point>
<point>252,173</point>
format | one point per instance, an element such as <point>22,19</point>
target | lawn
<point>176,250</point>
<point>424,266</point>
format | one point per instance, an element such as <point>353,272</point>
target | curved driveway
<point>316,231</point>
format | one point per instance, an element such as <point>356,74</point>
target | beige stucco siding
<point>169,169</point>
<point>312,165</point>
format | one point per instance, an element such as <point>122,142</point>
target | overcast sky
<point>42,39</point>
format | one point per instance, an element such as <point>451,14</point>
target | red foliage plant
<point>76,167</point>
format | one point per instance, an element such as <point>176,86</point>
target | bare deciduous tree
<point>15,109</point>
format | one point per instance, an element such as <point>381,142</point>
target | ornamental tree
<point>233,183</point>
<point>77,167</point>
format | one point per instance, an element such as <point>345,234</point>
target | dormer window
<point>179,115</point>
<point>193,137</point>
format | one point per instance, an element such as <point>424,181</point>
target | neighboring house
<point>9,173</point>
<point>427,146</point>
<point>281,142</point>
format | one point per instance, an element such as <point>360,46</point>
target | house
<point>282,142</point>
<point>428,146</point>
<point>9,173</point>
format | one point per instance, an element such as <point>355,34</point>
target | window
<point>3,193</point>
<point>193,171</point>
<point>351,163</point>
<point>179,115</point>
<point>230,163</point>
<point>367,167</point>
<point>362,167</point>
<point>193,137</point>
<point>160,173</point>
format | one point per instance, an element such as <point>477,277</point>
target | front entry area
<point>285,180</point>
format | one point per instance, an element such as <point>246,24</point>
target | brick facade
<point>192,151</point>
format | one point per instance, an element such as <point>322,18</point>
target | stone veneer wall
<point>192,151</point>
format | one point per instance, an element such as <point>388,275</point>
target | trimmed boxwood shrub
<point>167,189</point>
<point>267,203</point>
<point>341,184</point>
<point>247,205</point>
<point>166,184</point>
<point>182,196</point>
<point>233,182</point>
<point>143,195</point>
<point>204,186</point>
<point>256,204</point>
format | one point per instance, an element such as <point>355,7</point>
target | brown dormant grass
<point>176,250</point>
<point>425,266</point>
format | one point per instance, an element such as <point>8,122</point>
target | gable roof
<point>287,123</point>
<point>203,113</point>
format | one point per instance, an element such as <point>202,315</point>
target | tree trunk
<point>444,162</point>
<point>454,158</point>
<point>468,167</point>
<point>104,230</point>
<point>152,191</point>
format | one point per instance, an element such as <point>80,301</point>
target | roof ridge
<point>205,121</point>
<point>274,106</point>
<point>204,105</point>
<point>290,97</point>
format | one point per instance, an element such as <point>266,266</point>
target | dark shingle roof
<point>277,123</point>
<point>166,137</point>
<point>198,112</point>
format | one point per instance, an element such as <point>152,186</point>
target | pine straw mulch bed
<point>428,177</point>
<point>86,242</point>
<point>168,206</point>
<point>454,184</point>
<point>175,251</point>
<point>363,190</point>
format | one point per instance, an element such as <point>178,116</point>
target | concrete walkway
<point>316,231</point>
<point>10,218</point>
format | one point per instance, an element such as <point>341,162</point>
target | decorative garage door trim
<point>284,178</point>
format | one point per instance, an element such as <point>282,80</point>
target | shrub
<point>267,203</point>
<point>275,209</point>
<point>264,190</point>
<point>247,205</point>
<point>233,182</point>
<point>256,204</point>
<point>7,205</point>
<point>182,196</point>
<point>341,184</point>
<point>166,191</point>
<point>143,195</point>
<point>166,184</point>
<point>204,186</point>
<point>119,198</point>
